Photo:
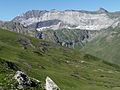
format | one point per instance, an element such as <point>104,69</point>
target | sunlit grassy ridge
<point>70,69</point>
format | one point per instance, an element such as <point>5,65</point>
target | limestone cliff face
<point>70,19</point>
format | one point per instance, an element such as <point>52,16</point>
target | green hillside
<point>74,38</point>
<point>106,46</point>
<point>70,69</point>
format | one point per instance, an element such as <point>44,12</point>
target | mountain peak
<point>55,10</point>
<point>102,10</point>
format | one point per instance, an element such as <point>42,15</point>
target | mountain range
<point>70,19</point>
<point>77,48</point>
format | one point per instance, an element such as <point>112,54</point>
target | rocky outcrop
<point>71,19</point>
<point>25,42</point>
<point>24,80</point>
<point>50,85</point>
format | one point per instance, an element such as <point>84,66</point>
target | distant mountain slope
<point>70,69</point>
<point>106,46</point>
<point>70,19</point>
<point>75,38</point>
<point>17,27</point>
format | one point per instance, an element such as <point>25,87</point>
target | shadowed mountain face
<point>44,24</point>
<point>70,19</point>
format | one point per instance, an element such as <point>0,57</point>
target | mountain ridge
<point>70,19</point>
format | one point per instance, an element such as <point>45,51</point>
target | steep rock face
<point>71,19</point>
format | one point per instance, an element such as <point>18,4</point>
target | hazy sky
<point>11,8</point>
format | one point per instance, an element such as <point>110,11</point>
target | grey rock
<point>25,42</point>
<point>24,80</point>
<point>50,84</point>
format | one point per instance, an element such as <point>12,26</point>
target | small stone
<point>20,87</point>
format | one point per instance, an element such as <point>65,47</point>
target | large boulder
<point>24,80</point>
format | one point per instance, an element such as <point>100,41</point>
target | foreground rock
<point>24,80</point>
<point>50,85</point>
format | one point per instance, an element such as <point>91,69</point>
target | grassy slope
<point>70,69</point>
<point>106,46</point>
